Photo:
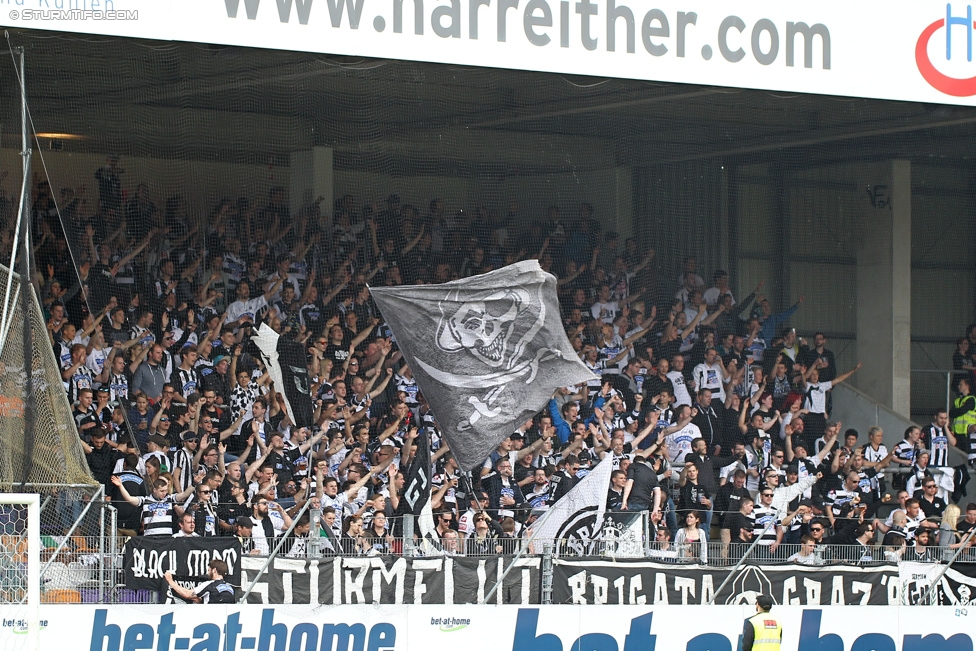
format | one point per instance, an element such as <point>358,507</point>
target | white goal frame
<point>33,503</point>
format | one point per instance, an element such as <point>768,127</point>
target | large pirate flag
<point>487,351</point>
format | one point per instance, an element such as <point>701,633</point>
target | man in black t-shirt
<point>728,502</point>
<point>928,499</point>
<point>741,526</point>
<point>642,492</point>
<point>101,457</point>
<point>130,517</point>
<point>277,458</point>
<point>214,591</point>
<point>967,524</point>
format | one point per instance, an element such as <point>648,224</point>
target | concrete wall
<point>202,183</point>
<point>829,233</point>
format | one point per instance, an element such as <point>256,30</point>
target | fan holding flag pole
<point>487,353</point>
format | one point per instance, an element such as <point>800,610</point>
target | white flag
<point>577,518</point>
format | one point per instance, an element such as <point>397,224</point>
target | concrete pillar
<point>311,178</point>
<point>884,301</point>
<point>623,203</point>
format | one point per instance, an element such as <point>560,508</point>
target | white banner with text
<point>914,50</point>
<point>538,628</point>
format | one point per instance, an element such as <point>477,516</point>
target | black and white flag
<point>416,491</point>
<point>576,519</point>
<point>487,351</point>
<point>285,360</point>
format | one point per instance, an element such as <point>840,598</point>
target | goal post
<point>20,574</point>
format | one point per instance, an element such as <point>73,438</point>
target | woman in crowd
<point>353,541</point>
<point>377,536</point>
<point>483,542</point>
<point>690,539</point>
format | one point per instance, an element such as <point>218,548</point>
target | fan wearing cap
<point>478,504</point>
<point>245,527</point>
<point>763,631</point>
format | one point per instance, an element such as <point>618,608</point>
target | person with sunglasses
<point>477,505</point>
<point>484,541</point>
<point>768,525</point>
<point>203,510</point>
<point>818,529</point>
<point>931,503</point>
<point>443,521</point>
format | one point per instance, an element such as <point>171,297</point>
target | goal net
<point>39,445</point>
<point>20,567</point>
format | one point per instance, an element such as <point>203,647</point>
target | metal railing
<point>84,576</point>
<point>950,375</point>
<point>83,563</point>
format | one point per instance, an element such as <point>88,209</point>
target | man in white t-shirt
<point>711,374</point>
<point>815,398</point>
<point>604,309</point>
<point>713,295</point>
<point>678,437</point>
<point>270,520</point>
<point>245,309</point>
<point>676,375</point>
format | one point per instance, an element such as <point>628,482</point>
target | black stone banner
<point>148,558</point>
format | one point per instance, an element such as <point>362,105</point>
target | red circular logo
<point>937,80</point>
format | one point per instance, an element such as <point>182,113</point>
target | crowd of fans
<point>715,412</point>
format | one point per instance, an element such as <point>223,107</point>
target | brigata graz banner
<point>148,558</point>
<point>918,50</point>
<point>515,628</point>
<point>392,580</point>
<point>956,586</point>
<point>637,582</point>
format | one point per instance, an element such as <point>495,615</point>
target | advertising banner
<point>918,50</point>
<point>533,628</point>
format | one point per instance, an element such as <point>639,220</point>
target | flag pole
<point>534,529</point>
